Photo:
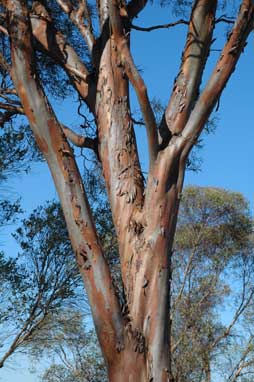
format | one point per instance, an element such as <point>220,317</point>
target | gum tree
<point>133,337</point>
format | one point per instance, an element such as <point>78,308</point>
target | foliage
<point>213,240</point>
<point>43,278</point>
<point>75,352</point>
<point>213,253</point>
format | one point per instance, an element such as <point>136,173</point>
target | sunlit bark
<point>135,341</point>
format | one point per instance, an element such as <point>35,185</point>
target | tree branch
<point>102,6</point>
<point>3,30</point>
<point>79,140</point>
<point>225,19</point>
<point>4,64</point>
<point>136,81</point>
<point>55,45</point>
<point>117,143</point>
<point>196,51</point>
<point>237,371</point>
<point>76,16</point>
<point>12,108</point>
<point>239,311</point>
<point>220,76</point>
<point>51,140</point>
<point>162,26</point>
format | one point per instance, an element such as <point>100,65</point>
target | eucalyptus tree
<point>134,338</point>
<point>38,283</point>
<point>212,277</point>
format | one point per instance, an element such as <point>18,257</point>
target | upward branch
<point>78,16</point>
<point>55,45</point>
<point>186,87</point>
<point>220,76</point>
<point>60,158</point>
<point>135,78</point>
<point>186,129</point>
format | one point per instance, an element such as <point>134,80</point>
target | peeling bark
<point>53,144</point>
<point>55,45</point>
<point>135,340</point>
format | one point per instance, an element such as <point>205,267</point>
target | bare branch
<point>220,76</point>
<point>186,87</point>
<point>162,26</point>
<point>12,108</point>
<point>242,363</point>
<point>6,117</point>
<point>136,81</point>
<point>245,301</point>
<point>225,19</point>
<point>141,91</point>
<point>4,64</point>
<point>136,122</point>
<point>79,140</point>
<point>77,16</point>
<point>56,46</point>
<point>185,275</point>
<point>8,91</point>
<point>3,30</point>
<point>102,6</point>
<point>66,6</point>
<point>53,144</point>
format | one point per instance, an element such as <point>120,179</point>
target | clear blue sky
<point>227,154</point>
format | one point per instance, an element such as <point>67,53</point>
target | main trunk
<point>146,353</point>
<point>145,226</point>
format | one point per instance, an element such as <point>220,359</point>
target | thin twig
<point>162,26</point>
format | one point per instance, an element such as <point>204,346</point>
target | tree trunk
<point>134,339</point>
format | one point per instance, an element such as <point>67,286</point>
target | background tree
<point>212,268</point>
<point>134,340</point>
<point>38,283</point>
<point>75,352</point>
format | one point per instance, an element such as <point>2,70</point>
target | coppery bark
<point>56,46</point>
<point>59,155</point>
<point>136,341</point>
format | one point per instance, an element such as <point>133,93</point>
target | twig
<point>162,26</point>
<point>225,19</point>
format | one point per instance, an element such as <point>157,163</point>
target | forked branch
<point>196,51</point>
<point>53,144</point>
<point>220,76</point>
<point>136,80</point>
<point>77,16</point>
<point>55,45</point>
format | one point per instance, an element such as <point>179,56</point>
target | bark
<point>59,155</point>
<point>135,340</point>
<point>55,45</point>
<point>207,367</point>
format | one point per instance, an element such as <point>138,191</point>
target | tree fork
<point>53,144</point>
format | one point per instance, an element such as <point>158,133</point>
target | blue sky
<point>227,154</point>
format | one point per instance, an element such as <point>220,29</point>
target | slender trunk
<point>207,368</point>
